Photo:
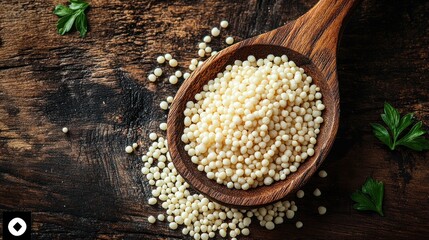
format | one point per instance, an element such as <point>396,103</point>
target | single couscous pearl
<point>224,24</point>
<point>157,72</point>
<point>173,79</point>
<point>160,59</point>
<point>323,174</point>
<point>208,49</point>
<point>300,194</point>
<point>65,130</point>
<point>152,201</point>
<point>321,210</point>
<point>153,136</point>
<point>178,73</point>
<point>202,45</point>
<point>215,32</point>
<point>169,99</point>
<point>173,225</point>
<point>129,149</point>
<point>207,39</point>
<point>299,224</point>
<point>168,57</point>
<point>290,214</point>
<point>135,145</point>
<point>270,225</point>
<point>152,77</point>
<point>201,53</point>
<point>229,40</point>
<point>186,75</point>
<point>172,63</point>
<point>163,126</point>
<point>163,105</point>
<point>151,219</point>
<point>317,192</point>
<point>161,217</point>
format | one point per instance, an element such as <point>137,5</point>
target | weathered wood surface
<point>83,185</point>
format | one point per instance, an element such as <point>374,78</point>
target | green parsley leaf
<point>81,24</point>
<point>65,23</point>
<point>78,4</point>
<point>414,138</point>
<point>74,14</point>
<point>370,197</point>
<point>61,11</point>
<point>381,133</point>
<point>396,125</point>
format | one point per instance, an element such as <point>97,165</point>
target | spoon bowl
<point>311,42</point>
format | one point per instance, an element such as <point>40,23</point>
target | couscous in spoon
<point>311,42</point>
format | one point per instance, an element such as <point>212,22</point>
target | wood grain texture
<point>311,42</point>
<point>83,186</point>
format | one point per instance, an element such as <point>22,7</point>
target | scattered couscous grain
<point>151,219</point>
<point>229,40</point>
<point>321,210</point>
<point>207,39</point>
<point>300,194</point>
<point>173,79</point>
<point>317,192</point>
<point>163,126</point>
<point>153,136</point>
<point>129,149</point>
<point>323,174</point>
<point>152,77</point>
<point>163,105</point>
<point>157,72</point>
<point>215,32</point>
<point>173,63</point>
<point>160,59</point>
<point>168,57</point>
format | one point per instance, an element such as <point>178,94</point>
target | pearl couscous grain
<point>323,174</point>
<point>215,32</point>
<point>317,192</point>
<point>300,194</point>
<point>321,210</point>
<point>160,59</point>
<point>129,149</point>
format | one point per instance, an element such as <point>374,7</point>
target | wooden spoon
<point>311,42</point>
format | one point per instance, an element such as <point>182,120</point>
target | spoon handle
<point>320,27</point>
<point>316,34</point>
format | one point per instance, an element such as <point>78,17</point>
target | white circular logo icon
<point>17,226</point>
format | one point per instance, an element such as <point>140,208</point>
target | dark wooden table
<point>83,185</point>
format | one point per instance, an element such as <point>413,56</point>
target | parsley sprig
<point>396,124</point>
<point>74,14</point>
<point>370,197</point>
